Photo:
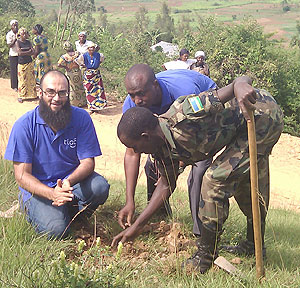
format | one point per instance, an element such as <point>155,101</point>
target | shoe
<point>15,89</point>
<point>203,259</point>
<point>20,100</point>
<point>247,247</point>
<point>244,248</point>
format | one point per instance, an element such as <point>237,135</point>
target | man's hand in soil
<point>62,193</point>
<point>129,234</point>
<point>125,215</point>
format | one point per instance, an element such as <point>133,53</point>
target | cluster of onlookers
<point>30,60</point>
<point>82,69</point>
<point>184,62</point>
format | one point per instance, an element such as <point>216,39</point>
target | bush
<point>231,51</point>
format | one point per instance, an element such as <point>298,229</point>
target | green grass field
<point>269,13</point>
<point>30,260</point>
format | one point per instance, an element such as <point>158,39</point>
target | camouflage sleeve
<point>211,102</point>
<point>168,167</point>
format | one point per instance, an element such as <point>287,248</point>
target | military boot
<point>247,247</point>
<point>207,252</point>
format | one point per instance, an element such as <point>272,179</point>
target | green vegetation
<point>30,260</point>
<point>231,50</point>
<point>24,6</point>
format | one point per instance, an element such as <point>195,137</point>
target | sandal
<point>20,100</point>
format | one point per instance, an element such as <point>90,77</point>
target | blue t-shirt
<point>53,156</point>
<point>175,83</point>
<point>91,63</point>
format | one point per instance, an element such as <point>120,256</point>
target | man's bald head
<point>142,86</point>
<point>139,75</point>
<point>54,73</point>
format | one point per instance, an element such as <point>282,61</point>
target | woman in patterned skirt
<point>67,61</point>
<point>26,80</point>
<point>42,58</point>
<point>92,80</point>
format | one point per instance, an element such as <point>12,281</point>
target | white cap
<point>92,44</point>
<point>199,53</point>
<point>14,21</point>
<point>82,33</point>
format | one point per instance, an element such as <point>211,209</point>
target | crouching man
<point>53,148</point>
<point>195,128</point>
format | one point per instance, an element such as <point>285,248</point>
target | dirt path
<point>284,161</point>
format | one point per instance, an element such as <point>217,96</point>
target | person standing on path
<point>11,40</point>
<point>26,79</point>
<point>42,63</point>
<point>67,61</point>
<point>82,45</point>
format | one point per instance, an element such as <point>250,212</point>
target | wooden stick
<point>260,273</point>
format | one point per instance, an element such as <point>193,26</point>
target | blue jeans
<point>55,221</point>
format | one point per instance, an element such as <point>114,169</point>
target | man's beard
<point>56,119</point>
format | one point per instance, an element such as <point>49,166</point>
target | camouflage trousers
<point>229,174</point>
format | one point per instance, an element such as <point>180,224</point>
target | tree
<point>142,20</point>
<point>102,19</point>
<point>295,41</point>
<point>165,24</point>
<point>14,6</point>
<point>75,9</point>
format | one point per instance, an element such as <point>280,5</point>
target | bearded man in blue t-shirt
<point>157,93</point>
<point>53,149</point>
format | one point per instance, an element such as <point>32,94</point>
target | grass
<point>30,260</point>
<point>222,9</point>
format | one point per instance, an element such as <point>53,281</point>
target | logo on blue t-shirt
<point>70,142</point>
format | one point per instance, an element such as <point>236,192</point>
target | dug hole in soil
<point>284,174</point>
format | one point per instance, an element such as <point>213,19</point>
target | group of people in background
<point>82,69</point>
<point>30,60</point>
<point>184,62</point>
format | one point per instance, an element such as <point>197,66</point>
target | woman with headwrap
<point>92,80</point>
<point>26,81</point>
<point>201,66</point>
<point>67,61</point>
<point>42,62</point>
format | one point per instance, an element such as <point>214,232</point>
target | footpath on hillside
<point>284,161</point>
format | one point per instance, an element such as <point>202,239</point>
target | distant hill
<point>274,16</point>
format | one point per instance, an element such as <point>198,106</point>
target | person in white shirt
<point>200,65</point>
<point>183,62</point>
<point>82,44</point>
<point>11,40</point>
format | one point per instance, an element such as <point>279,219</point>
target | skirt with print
<point>94,90</point>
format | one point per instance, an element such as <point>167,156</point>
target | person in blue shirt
<point>92,79</point>
<point>157,93</point>
<point>53,149</point>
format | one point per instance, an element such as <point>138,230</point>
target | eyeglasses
<point>52,93</point>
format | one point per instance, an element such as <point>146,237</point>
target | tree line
<point>232,50</point>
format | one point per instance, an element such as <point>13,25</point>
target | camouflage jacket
<point>196,127</point>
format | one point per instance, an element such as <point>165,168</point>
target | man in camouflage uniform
<point>197,127</point>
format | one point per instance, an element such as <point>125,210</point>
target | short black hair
<point>55,72</point>
<point>38,28</point>
<point>141,69</point>
<point>136,121</point>
<point>184,51</point>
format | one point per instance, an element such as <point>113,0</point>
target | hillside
<point>268,13</point>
